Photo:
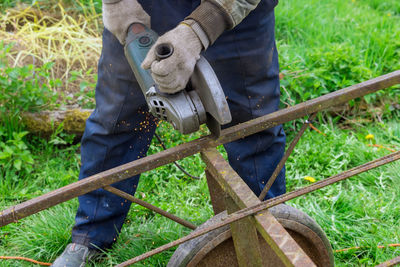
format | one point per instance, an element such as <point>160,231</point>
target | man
<point>237,38</point>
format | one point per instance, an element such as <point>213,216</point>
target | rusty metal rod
<point>391,262</point>
<point>285,157</point>
<point>128,170</point>
<point>149,206</point>
<point>268,204</point>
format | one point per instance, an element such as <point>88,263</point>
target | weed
<point>15,155</point>
<point>85,96</point>
<point>26,88</point>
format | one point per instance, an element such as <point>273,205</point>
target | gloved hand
<point>173,73</point>
<point>118,15</point>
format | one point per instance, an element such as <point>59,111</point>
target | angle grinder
<point>202,100</point>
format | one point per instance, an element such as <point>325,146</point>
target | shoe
<point>75,255</point>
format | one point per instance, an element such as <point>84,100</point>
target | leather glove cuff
<point>212,18</point>
<point>198,31</point>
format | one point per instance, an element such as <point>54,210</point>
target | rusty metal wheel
<point>215,249</point>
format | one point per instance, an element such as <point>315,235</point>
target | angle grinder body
<point>202,101</point>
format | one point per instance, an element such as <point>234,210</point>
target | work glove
<point>118,15</point>
<point>173,73</point>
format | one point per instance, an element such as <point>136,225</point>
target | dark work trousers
<point>120,129</point>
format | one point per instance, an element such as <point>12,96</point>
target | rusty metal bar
<point>285,157</point>
<point>268,204</point>
<point>245,238</point>
<point>280,241</point>
<point>217,195</point>
<point>391,262</point>
<point>150,207</point>
<point>128,170</point>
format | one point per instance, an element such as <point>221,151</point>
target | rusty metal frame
<point>240,207</point>
<point>271,203</point>
<point>284,246</point>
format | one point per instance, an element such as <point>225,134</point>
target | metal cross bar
<point>285,157</point>
<point>128,170</point>
<point>150,207</point>
<point>268,204</point>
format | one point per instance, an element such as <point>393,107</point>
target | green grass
<point>359,212</point>
<point>327,45</point>
<point>324,46</point>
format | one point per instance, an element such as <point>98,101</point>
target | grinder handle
<point>139,40</point>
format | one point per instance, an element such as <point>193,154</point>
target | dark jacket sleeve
<point>216,16</point>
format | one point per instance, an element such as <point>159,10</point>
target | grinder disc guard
<point>206,84</point>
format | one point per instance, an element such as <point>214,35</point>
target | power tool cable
<point>25,259</point>
<point>176,163</point>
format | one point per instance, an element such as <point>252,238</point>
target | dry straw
<point>72,40</point>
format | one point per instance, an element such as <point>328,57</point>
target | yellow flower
<point>310,179</point>
<point>369,136</point>
<point>389,14</point>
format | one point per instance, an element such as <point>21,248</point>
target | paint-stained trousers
<point>120,129</point>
